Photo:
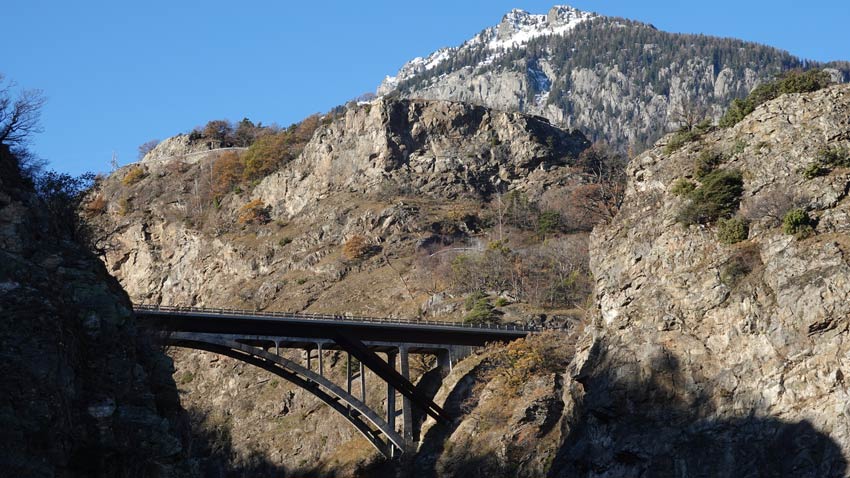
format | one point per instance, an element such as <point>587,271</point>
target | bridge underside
<point>380,432</point>
<point>251,337</point>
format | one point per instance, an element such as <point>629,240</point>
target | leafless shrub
<point>771,206</point>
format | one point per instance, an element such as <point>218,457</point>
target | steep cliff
<point>83,393</point>
<point>713,359</point>
<point>391,172</point>
<point>704,358</point>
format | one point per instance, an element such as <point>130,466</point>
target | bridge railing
<point>343,318</point>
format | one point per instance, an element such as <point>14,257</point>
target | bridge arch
<point>383,437</point>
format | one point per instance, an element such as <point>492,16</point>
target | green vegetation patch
<point>798,223</point>
<point>686,135</point>
<point>480,310</point>
<point>794,81</point>
<point>827,159</point>
<point>717,197</point>
<point>732,230</point>
<point>707,161</point>
<point>682,187</point>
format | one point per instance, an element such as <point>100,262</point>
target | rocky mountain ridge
<point>516,29</point>
<point>617,80</point>
<point>700,334</point>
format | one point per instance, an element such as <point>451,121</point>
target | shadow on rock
<point>213,451</point>
<point>656,421</point>
<point>424,462</point>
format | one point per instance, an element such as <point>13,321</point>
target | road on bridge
<point>228,321</point>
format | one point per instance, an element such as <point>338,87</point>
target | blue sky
<point>117,74</point>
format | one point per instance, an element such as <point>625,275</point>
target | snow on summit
<point>516,29</point>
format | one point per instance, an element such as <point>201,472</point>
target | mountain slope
<point>715,358</point>
<point>617,80</point>
<point>369,219</point>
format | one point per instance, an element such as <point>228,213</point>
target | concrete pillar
<point>348,375</point>
<point>321,362</point>
<point>444,361</point>
<point>391,359</point>
<point>362,383</point>
<point>277,347</point>
<point>309,358</point>
<point>406,410</point>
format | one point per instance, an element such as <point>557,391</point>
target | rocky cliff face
<point>620,81</point>
<point>715,359</point>
<point>403,175</point>
<point>83,393</point>
<point>703,359</point>
<point>430,149</point>
<point>389,172</point>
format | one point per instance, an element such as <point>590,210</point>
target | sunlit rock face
<point>741,346</point>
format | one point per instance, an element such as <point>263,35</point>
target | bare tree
<point>771,206</point>
<point>19,117</point>
<point>147,147</point>
<point>689,115</point>
<point>602,196</point>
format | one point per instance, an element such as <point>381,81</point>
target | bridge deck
<point>323,326</point>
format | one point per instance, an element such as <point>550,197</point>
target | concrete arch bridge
<point>382,347</point>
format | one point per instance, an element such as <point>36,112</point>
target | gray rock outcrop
<point>724,360</point>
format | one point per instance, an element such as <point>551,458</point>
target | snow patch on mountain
<point>541,82</point>
<point>516,29</point>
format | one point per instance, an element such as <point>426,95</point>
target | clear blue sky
<point>117,73</point>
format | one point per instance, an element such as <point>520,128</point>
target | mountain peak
<point>516,28</point>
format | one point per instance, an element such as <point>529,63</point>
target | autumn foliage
<point>96,206</point>
<point>134,175</point>
<point>270,152</point>
<point>227,172</point>
<point>538,354</point>
<point>355,248</point>
<point>255,212</point>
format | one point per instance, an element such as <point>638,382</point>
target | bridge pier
<point>362,383</point>
<point>406,410</point>
<point>444,361</point>
<point>321,361</point>
<point>391,410</point>
<point>348,375</point>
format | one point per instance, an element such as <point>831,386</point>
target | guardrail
<point>343,318</point>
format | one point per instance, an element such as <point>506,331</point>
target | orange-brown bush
<point>266,155</point>
<point>227,172</point>
<point>270,152</point>
<point>538,354</point>
<point>355,248</point>
<point>96,206</point>
<point>255,212</point>
<point>134,175</point>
